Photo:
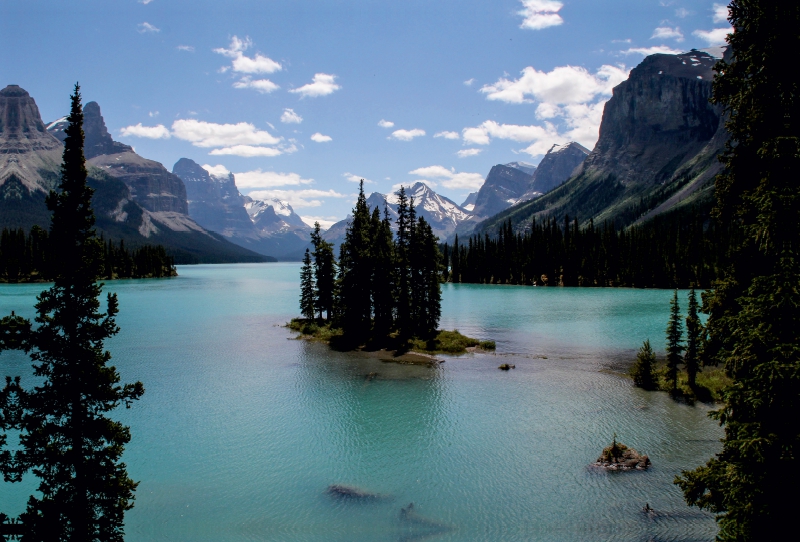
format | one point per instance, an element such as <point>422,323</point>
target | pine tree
<point>324,273</point>
<point>429,303</point>
<point>403,264</point>
<point>355,273</point>
<point>693,331</point>
<point>66,439</point>
<point>674,343</point>
<point>644,368</point>
<point>754,311</point>
<point>383,279</point>
<point>307,288</point>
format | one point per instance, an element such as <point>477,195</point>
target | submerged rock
<point>620,457</point>
<point>341,491</point>
<point>411,519</point>
<point>506,367</point>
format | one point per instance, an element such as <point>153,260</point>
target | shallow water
<point>242,428</point>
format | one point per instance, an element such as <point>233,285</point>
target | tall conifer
<point>674,343</point>
<point>66,439</point>
<point>307,293</point>
<point>355,273</point>
<point>754,312</point>
<point>384,274</point>
<point>693,331</point>
<point>324,273</point>
<point>402,263</point>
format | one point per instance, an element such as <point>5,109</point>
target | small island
<point>617,456</point>
<point>384,292</point>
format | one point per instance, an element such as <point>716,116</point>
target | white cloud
<point>540,14</point>
<point>682,12</point>
<point>721,13</point>
<point>297,198</point>
<point>626,40</point>
<point>464,153</point>
<point>646,51</point>
<point>218,171</point>
<point>257,64</point>
<point>469,82</point>
<point>564,84</point>
<point>667,33</point>
<point>264,86</point>
<point>209,134</point>
<point>268,179</point>
<point>147,27</point>
<point>247,151</point>
<point>323,85</point>
<point>290,117</point>
<point>152,114</point>
<point>187,48</point>
<point>714,36</point>
<point>320,138</point>
<point>385,123</point>
<point>451,179</point>
<point>325,222</point>
<point>482,134</point>
<point>356,178</point>
<point>249,65</point>
<point>145,2</point>
<point>237,47</point>
<point>150,132</point>
<point>447,135</point>
<point>407,135</point>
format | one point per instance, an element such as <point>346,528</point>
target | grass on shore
<point>445,342</point>
<point>710,383</point>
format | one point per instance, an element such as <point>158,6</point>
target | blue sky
<point>291,95</point>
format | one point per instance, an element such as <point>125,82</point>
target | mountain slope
<point>659,137</point>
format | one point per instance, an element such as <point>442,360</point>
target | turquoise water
<point>242,428</point>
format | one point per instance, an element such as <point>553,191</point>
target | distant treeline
<point>26,258</point>
<point>680,250</point>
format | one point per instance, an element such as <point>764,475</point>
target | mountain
<point>440,212</point>
<point>502,188</point>
<point>271,228</point>
<point>469,203</point>
<point>524,167</point>
<point>659,138</point>
<point>555,168</point>
<point>30,161</point>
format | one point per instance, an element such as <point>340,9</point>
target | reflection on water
<point>243,429</point>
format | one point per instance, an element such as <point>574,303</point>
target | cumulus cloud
<point>450,178</point>
<point>264,86</point>
<point>187,48</point>
<point>247,151</point>
<point>385,123</point>
<point>147,28</point>
<point>447,135</point>
<point>322,85</point>
<point>296,198</point>
<point>209,134</point>
<point>715,36</point>
<point>667,33</point>
<point>268,179</point>
<point>469,82</point>
<point>721,13</point>
<point>646,51</point>
<point>152,114</point>
<point>564,84</point>
<point>150,132</point>
<point>407,135</point>
<point>218,171</point>
<point>464,153</point>
<point>245,64</point>
<point>356,178</point>
<point>290,117</point>
<point>540,14</point>
<point>320,138</point>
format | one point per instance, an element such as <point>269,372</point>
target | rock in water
<point>341,491</point>
<point>620,457</point>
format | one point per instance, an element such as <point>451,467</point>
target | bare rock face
<point>503,187</point>
<point>29,156</point>
<point>555,168</point>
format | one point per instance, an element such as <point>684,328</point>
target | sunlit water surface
<point>242,428</point>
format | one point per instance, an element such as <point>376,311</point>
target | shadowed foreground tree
<point>754,311</point>
<point>65,438</point>
<point>674,344</point>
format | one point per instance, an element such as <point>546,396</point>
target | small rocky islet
<point>618,456</point>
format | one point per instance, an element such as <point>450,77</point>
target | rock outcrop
<point>502,188</point>
<point>617,456</point>
<point>556,167</point>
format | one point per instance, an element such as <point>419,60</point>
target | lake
<point>242,428</point>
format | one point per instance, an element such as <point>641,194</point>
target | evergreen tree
<point>644,369</point>
<point>674,343</point>
<point>693,331</point>
<point>383,282</point>
<point>324,273</point>
<point>307,287</point>
<point>355,273</point>
<point>403,263</point>
<point>429,303</point>
<point>754,311</point>
<point>66,439</point>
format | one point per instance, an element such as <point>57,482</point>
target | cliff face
<point>555,168</point>
<point>214,202</point>
<point>501,189</point>
<point>659,139</point>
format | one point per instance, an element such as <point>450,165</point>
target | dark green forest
<point>683,249</point>
<point>31,258</point>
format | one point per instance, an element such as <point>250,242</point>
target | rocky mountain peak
<point>502,188</point>
<point>98,140</point>
<point>524,167</point>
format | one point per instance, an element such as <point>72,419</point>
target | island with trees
<point>384,292</point>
